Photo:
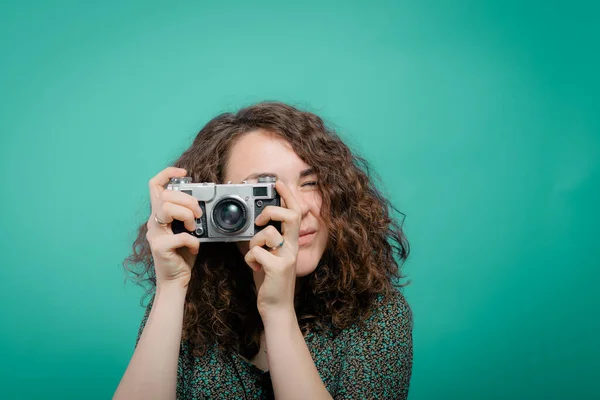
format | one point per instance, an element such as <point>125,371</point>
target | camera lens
<point>229,215</point>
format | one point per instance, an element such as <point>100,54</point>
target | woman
<point>310,312</point>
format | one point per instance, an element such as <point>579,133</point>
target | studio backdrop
<point>480,120</point>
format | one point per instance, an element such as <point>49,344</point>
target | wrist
<point>171,288</point>
<point>279,317</point>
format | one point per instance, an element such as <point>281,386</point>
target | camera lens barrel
<point>230,215</point>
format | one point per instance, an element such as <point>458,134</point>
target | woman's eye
<point>311,183</point>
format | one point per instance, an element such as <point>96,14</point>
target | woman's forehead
<point>262,153</point>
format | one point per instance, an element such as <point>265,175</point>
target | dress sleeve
<point>378,359</point>
<point>182,391</point>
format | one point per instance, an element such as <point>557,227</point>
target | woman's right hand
<point>174,254</point>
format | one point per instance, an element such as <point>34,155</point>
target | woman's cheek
<point>314,199</point>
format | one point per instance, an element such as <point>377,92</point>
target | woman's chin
<point>304,268</point>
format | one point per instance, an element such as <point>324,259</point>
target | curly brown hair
<point>365,251</point>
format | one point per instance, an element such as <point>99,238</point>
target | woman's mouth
<point>306,238</point>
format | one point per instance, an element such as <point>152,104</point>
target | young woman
<point>313,311</point>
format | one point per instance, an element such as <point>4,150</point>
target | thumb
<point>259,278</point>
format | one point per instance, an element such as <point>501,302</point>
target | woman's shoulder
<point>388,326</point>
<point>389,310</point>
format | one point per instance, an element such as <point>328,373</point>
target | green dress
<point>369,362</point>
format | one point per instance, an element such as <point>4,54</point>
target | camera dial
<point>266,179</point>
<point>185,180</point>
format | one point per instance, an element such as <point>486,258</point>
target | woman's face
<point>260,153</point>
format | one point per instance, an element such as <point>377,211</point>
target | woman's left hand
<point>274,270</point>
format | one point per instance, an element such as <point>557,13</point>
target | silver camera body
<point>228,210</point>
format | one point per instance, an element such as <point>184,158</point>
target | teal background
<point>480,117</point>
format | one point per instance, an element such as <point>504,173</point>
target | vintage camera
<point>228,210</point>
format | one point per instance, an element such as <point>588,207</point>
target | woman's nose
<point>303,204</point>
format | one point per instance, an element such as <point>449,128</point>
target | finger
<point>274,213</point>
<point>169,243</point>
<point>269,237</point>
<point>171,211</point>
<point>290,220</point>
<point>158,182</point>
<point>257,257</point>
<point>182,199</point>
<point>287,196</point>
<point>164,176</point>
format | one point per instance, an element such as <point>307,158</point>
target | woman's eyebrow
<point>304,173</point>
<point>307,172</point>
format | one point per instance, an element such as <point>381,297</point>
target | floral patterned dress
<point>372,361</point>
